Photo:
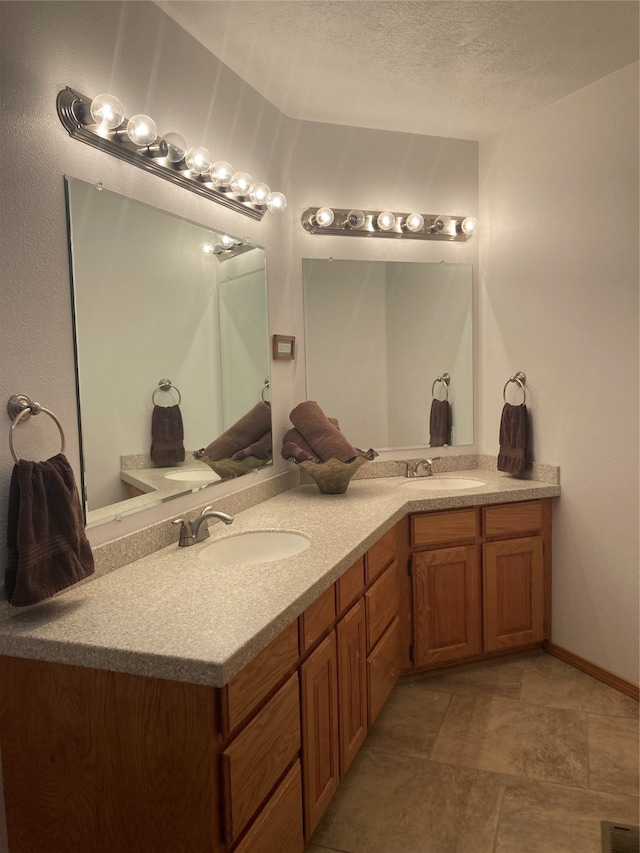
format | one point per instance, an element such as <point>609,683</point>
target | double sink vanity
<point>211,698</point>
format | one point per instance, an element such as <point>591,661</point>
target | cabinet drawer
<point>258,678</point>
<point>383,669</point>
<point>279,824</point>
<point>435,528</point>
<point>259,755</point>
<point>381,554</point>
<point>382,603</point>
<point>350,586</point>
<point>523,517</point>
<point>317,618</point>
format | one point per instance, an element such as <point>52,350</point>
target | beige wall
<point>558,299</point>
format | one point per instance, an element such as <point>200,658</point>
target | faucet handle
<point>185,531</point>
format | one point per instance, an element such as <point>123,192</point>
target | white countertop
<point>172,615</point>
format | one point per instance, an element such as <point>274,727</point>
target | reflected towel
<point>46,544</point>
<point>514,450</point>
<point>261,449</point>
<point>167,436</point>
<point>249,429</point>
<point>440,423</point>
<point>323,437</point>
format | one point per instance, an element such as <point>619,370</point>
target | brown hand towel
<point>514,451</point>
<point>440,423</point>
<point>46,543</point>
<point>261,449</point>
<point>321,435</point>
<point>167,436</point>
<point>250,428</point>
<point>295,447</point>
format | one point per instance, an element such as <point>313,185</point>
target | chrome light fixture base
<point>75,114</point>
<point>366,224</point>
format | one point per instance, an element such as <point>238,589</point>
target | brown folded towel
<point>167,436</point>
<point>514,451</point>
<point>321,435</point>
<point>46,543</point>
<point>440,423</point>
<point>249,429</point>
<point>261,449</point>
<point>295,447</point>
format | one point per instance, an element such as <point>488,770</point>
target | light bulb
<point>259,193</point>
<point>107,111</point>
<point>226,241</point>
<point>276,202</point>
<point>324,217</point>
<point>468,225</point>
<point>386,220</point>
<point>207,248</point>
<point>355,219</point>
<point>198,160</point>
<point>414,222</point>
<point>177,147</point>
<point>241,183</point>
<point>221,173</point>
<point>141,129</point>
<point>441,222</point>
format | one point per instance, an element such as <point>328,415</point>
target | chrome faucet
<point>419,467</point>
<point>192,532</point>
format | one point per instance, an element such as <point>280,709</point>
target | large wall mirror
<point>155,298</point>
<point>378,336</point>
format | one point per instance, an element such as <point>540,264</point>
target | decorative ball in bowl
<point>333,476</point>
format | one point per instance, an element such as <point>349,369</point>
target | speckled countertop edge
<point>172,615</point>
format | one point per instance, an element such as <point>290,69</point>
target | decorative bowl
<point>333,476</point>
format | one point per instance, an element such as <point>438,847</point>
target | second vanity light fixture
<point>385,223</point>
<point>101,122</point>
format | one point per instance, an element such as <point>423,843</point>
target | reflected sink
<point>193,476</point>
<point>260,546</point>
<point>442,484</point>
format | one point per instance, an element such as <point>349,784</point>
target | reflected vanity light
<point>101,123</point>
<point>385,223</point>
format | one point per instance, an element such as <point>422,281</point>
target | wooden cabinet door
<point>352,683</point>
<point>383,669</point>
<point>513,593</point>
<point>447,605</point>
<point>320,767</point>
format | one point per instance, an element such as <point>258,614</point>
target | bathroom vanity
<point>223,717</point>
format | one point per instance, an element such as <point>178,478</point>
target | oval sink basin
<point>260,546</point>
<point>442,484</point>
<point>193,476</point>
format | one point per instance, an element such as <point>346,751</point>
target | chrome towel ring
<point>266,389</point>
<point>519,379</point>
<point>19,407</point>
<point>445,379</point>
<point>165,385</point>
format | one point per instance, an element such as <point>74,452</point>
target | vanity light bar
<point>385,223</point>
<point>100,122</point>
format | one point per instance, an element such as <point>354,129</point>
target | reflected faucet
<point>192,532</point>
<point>419,467</point>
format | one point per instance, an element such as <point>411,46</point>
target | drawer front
<point>523,517</point>
<point>383,669</point>
<point>381,554</point>
<point>317,618</point>
<point>382,604</point>
<point>279,824</point>
<point>350,586</point>
<point>258,678</point>
<point>438,527</point>
<point>257,758</point>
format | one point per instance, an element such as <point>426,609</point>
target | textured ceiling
<point>445,68</point>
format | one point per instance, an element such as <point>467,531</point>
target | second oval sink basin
<point>194,476</point>
<point>442,484</point>
<point>260,546</point>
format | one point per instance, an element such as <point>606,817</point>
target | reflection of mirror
<point>151,303</point>
<point>377,336</point>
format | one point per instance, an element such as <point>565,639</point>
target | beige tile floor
<point>523,755</point>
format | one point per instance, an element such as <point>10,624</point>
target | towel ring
<point>445,379</point>
<point>19,407</point>
<point>165,385</point>
<point>265,388</point>
<point>519,379</point>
